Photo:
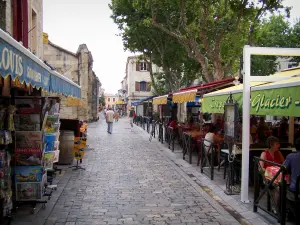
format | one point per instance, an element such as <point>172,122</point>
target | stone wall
<point>35,30</point>
<point>67,64</point>
<point>83,62</point>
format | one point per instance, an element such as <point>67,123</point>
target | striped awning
<point>160,100</point>
<point>185,96</point>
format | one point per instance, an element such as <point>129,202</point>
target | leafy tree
<point>275,31</point>
<point>139,35</point>
<point>102,100</point>
<point>213,32</point>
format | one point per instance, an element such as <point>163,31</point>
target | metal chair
<point>187,146</point>
<point>171,137</point>
<point>207,157</point>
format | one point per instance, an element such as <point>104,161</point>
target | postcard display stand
<point>31,147</point>
<point>6,129</point>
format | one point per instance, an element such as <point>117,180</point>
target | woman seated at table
<point>272,153</point>
<point>211,138</point>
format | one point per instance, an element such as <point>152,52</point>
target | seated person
<point>211,138</point>
<point>173,124</point>
<point>272,153</point>
<point>292,163</point>
<point>262,128</point>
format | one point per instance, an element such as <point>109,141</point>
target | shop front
<point>29,127</point>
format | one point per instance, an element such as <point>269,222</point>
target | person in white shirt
<point>109,120</point>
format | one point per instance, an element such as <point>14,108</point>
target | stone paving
<point>128,180</point>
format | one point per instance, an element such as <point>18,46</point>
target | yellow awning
<point>186,96</point>
<point>120,102</point>
<point>160,100</point>
<point>289,72</point>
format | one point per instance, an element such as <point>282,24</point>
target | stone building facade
<point>79,68</point>
<point>25,26</point>
<point>110,100</point>
<point>136,83</point>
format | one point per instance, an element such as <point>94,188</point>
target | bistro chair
<point>166,133</point>
<point>171,137</point>
<point>187,146</point>
<point>207,157</point>
<point>180,136</point>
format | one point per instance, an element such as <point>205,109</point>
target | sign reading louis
<point>17,64</point>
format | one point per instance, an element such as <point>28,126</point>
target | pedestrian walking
<point>131,115</point>
<point>109,120</point>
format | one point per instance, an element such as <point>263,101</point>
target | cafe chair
<point>208,157</point>
<point>293,201</point>
<point>171,138</point>
<point>180,136</point>
<point>187,146</point>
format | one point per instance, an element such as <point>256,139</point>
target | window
<point>108,99</point>
<point>142,86</point>
<point>114,99</point>
<point>143,66</point>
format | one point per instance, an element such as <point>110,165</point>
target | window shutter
<point>148,86</point>
<point>137,66</point>
<point>137,86</point>
<point>148,66</point>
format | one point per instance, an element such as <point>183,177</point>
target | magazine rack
<point>33,151</point>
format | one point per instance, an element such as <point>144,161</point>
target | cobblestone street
<point>128,181</point>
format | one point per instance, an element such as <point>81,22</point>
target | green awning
<point>214,102</point>
<point>278,99</point>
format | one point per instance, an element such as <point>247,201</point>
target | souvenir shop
<point>29,126</point>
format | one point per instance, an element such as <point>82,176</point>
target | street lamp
<point>231,116</point>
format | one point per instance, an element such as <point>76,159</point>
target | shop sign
<point>263,101</point>
<point>15,63</point>
<point>277,102</point>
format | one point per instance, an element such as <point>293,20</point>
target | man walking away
<point>109,120</point>
<point>131,114</point>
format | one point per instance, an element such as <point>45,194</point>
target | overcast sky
<point>70,23</point>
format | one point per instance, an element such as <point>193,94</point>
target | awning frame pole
<point>247,52</point>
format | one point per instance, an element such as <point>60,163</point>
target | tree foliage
<point>102,100</point>
<point>212,31</point>
<point>274,31</point>
<point>183,36</point>
<point>139,35</point>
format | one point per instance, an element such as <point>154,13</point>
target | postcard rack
<point>32,144</point>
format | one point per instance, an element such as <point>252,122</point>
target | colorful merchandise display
<point>7,112</point>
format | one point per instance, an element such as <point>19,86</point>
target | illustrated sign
<point>78,149</point>
<point>15,63</point>
<point>277,102</point>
